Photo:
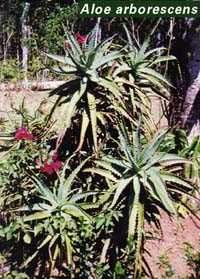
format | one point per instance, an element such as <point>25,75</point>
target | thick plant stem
<point>191,95</point>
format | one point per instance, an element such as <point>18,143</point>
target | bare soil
<point>171,246</point>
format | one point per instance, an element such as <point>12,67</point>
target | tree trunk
<point>190,116</point>
<point>190,97</point>
<point>25,35</point>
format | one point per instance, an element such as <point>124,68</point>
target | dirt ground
<point>170,247</point>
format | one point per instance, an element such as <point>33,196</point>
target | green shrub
<point>10,70</point>
<point>193,260</point>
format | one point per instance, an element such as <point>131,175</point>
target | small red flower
<point>47,168</point>
<point>56,165</point>
<point>52,167</point>
<point>81,39</point>
<point>23,134</point>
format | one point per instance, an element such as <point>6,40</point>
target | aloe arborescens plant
<point>145,176</point>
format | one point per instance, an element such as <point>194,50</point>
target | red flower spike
<point>81,39</point>
<point>23,134</point>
